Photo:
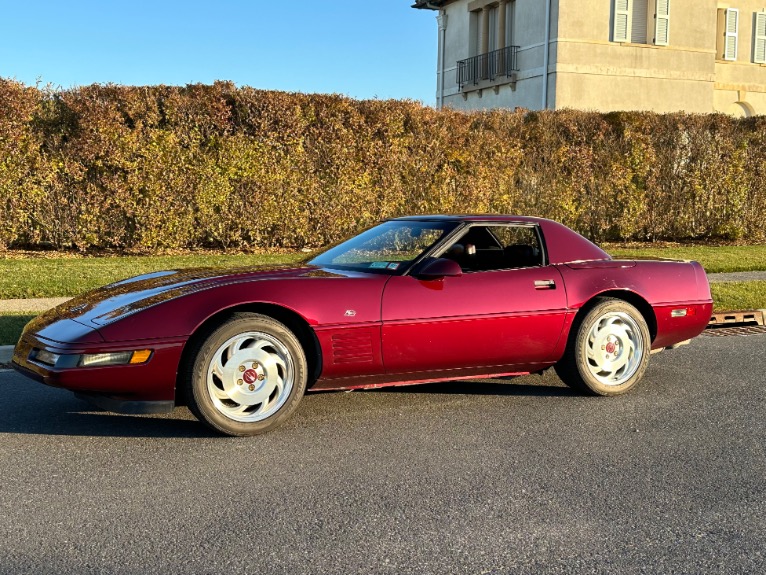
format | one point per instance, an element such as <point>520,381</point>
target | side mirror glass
<point>438,268</point>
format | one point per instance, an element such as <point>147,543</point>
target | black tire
<point>264,353</point>
<point>609,330</point>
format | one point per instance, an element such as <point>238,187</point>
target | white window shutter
<point>662,23</point>
<point>759,57</point>
<point>732,34</point>
<point>621,31</point>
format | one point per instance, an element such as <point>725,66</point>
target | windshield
<point>388,248</point>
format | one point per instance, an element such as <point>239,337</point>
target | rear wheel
<point>247,376</point>
<point>608,350</point>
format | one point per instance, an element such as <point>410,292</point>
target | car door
<point>483,318</point>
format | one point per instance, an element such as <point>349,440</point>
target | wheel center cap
<point>250,376</point>
<point>610,347</point>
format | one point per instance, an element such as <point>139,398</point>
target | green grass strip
<point>62,276</point>
<point>11,325</point>
<point>714,259</point>
<point>68,276</point>
<point>730,296</point>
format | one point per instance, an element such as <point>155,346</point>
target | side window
<point>496,247</point>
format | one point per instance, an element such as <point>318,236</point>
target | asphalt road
<point>463,477</point>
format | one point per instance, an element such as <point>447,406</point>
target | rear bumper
<point>674,330</point>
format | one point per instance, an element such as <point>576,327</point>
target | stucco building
<point>659,55</point>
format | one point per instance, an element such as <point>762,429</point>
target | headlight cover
<point>46,357</point>
<point>98,359</point>
<point>115,358</point>
<point>64,361</point>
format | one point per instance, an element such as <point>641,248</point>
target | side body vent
<point>352,347</point>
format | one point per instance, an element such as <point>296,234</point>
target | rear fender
<point>655,288</point>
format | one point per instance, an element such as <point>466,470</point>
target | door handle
<point>545,284</point>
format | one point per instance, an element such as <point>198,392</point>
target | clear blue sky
<point>364,49</point>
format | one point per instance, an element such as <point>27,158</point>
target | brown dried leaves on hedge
<point>219,166</point>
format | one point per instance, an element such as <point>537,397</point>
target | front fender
<point>319,301</point>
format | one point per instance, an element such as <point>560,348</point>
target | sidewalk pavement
<point>33,305</point>
<point>737,277</point>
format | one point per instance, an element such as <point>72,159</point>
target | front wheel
<point>247,376</point>
<point>608,351</point>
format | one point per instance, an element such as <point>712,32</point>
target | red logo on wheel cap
<point>610,347</point>
<point>250,376</point>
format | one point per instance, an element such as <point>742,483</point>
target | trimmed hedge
<point>219,166</point>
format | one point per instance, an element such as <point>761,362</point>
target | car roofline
<point>562,244</point>
<point>491,218</point>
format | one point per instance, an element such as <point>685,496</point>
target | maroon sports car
<point>413,299</point>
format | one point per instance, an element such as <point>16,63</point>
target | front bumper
<point>152,381</point>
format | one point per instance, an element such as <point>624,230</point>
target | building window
<point>759,43</point>
<point>638,22</point>
<point>631,22</point>
<point>492,56</point>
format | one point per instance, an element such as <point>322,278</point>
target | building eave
<point>429,4</point>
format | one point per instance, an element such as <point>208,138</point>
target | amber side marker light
<point>141,356</point>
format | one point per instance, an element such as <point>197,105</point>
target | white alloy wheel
<point>246,376</point>
<point>250,376</point>
<point>608,349</point>
<point>614,348</point>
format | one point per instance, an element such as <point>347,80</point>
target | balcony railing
<point>487,66</point>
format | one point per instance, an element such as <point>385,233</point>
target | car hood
<point>112,302</point>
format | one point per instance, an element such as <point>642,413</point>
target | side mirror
<point>434,269</point>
